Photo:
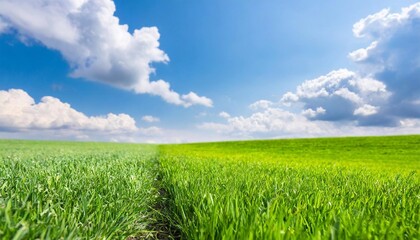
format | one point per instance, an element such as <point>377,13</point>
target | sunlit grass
<point>357,188</point>
<point>310,188</point>
<point>54,190</point>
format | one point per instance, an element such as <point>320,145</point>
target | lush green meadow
<point>358,188</point>
<point>53,190</point>
<point>355,188</point>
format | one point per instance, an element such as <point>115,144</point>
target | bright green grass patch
<point>58,190</point>
<point>304,188</point>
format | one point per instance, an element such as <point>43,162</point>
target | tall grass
<point>355,188</point>
<point>53,190</point>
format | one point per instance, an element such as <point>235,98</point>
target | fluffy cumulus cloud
<point>21,114</point>
<point>310,113</point>
<point>264,123</point>
<point>276,122</point>
<point>393,58</point>
<point>19,111</point>
<point>382,96</point>
<point>386,86</point>
<point>95,44</point>
<point>192,98</point>
<point>366,110</point>
<point>340,95</point>
<point>22,117</point>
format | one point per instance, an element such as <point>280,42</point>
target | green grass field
<point>53,190</point>
<point>307,188</point>
<point>337,188</point>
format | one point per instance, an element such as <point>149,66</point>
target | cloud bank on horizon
<point>93,42</point>
<point>381,97</point>
<point>20,113</point>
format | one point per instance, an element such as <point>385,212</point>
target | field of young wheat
<point>359,188</point>
<point>337,188</point>
<point>54,190</point>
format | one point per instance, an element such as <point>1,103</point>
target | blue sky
<point>231,54</point>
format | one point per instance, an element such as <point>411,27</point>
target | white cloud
<point>150,119</point>
<point>310,113</point>
<point>51,119</point>
<point>279,123</point>
<point>365,26</point>
<point>367,85</point>
<point>393,58</point>
<point>22,117</point>
<point>324,85</point>
<point>336,95</point>
<point>385,24</point>
<point>362,53</point>
<point>366,110</point>
<point>261,104</point>
<point>192,98</point>
<point>345,93</point>
<point>95,44</point>
<point>20,112</point>
<point>288,98</point>
<point>381,98</point>
<point>410,123</point>
<point>269,121</point>
<point>224,115</point>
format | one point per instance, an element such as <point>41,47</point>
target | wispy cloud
<point>224,115</point>
<point>150,119</point>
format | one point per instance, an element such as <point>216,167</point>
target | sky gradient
<point>159,71</point>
